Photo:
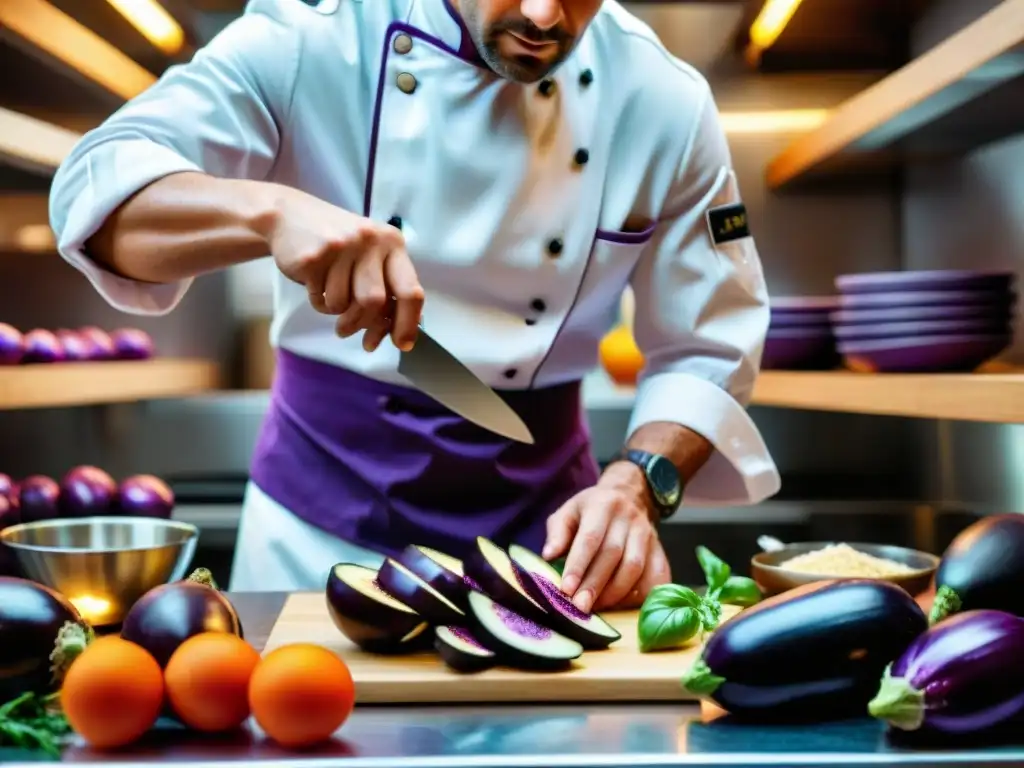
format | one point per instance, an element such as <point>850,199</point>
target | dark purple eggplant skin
<point>371,626</point>
<point>458,661</point>
<point>168,615</point>
<point>31,616</point>
<point>982,568</point>
<point>486,579</point>
<point>963,676</point>
<point>450,584</point>
<point>555,619</point>
<point>411,591</point>
<point>810,654</point>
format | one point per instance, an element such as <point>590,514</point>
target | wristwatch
<point>662,479</point>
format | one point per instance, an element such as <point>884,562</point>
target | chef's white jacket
<point>527,208</point>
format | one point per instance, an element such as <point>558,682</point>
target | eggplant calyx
<point>898,703</point>
<point>700,680</point>
<point>203,576</point>
<point>947,602</point>
<point>72,639</point>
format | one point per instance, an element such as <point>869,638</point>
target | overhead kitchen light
<point>57,34</point>
<point>773,121</point>
<point>28,141</point>
<point>773,18</point>
<point>154,22</point>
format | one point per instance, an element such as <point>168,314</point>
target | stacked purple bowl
<point>927,321</point>
<point>800,334</point>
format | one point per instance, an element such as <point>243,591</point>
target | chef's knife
<point>438,373</point>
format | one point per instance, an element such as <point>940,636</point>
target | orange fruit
<point>620,356</point>
<point>112,693</point>
<point>207,681</point>
<point>300,694</point>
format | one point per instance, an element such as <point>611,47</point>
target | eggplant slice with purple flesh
<point>443,572</point>
<point>543,583</point>
<point>813,653</point>
<point>371,618</point>
<point>405,586</point>
<point>516,640</point>
<point>963,676</point>
<point>490,570</point>
<point>982,568</point>
<point>461,651</point>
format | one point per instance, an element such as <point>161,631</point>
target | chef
<point>501,170</point>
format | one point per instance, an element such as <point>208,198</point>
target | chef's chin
<point>520,67</point>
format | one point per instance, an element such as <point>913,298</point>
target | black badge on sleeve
<point>727,223</point>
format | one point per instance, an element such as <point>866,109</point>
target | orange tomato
<point>620,356</point>
<point>112,693</point>
<point>300,694</point>
<point>207,681</point>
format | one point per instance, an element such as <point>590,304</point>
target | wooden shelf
<point>991,397</point>
<point>965,92</point>
<point>59,385</point>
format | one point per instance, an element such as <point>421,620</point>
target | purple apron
<point>384,466</point>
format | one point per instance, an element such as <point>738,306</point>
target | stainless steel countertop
<point>542,737</point>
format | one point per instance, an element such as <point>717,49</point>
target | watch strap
<point>642,459</point>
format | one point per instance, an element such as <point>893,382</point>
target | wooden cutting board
<point>620,673</point>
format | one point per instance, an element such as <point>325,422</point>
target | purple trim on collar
<point>393,29</point>
<point>467,50</point>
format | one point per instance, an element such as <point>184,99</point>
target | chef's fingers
<point>404,286</point>
<point>316,287</point>
<point>594,521</point>
<point>338,286</point>
<point>603,566</point>
<point>368,289</point>
<point>376,333</point>
<point>629,568</point>
<point>656,571</point>
<point>351,321</point>
<point>561,527</point>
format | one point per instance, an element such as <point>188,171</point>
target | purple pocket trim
<point>626,238</point>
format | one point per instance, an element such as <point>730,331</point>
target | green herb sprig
<point>32,722</point>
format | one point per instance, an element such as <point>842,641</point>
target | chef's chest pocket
<point>614,254</point>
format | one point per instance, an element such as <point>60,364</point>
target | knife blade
<point>438,373</point>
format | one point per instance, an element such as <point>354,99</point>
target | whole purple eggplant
<point>963,676</point>
<point>813,653</point>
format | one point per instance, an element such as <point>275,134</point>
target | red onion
<point>38,498</point>
<point>42,346</point>
<point>86,491</point>
<point>145,496</point>
<point>12,345</point>
<point>101,346</point>
<point>132,344</point>
<point>75,346</point>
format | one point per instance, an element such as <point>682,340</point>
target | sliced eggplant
<point>371,618</point>
<point>815,652</point>
<point>516,640</point>
<point>443,572</point>
<point>490,570</point>
<point>405,586</point>
<point>542,582</point>
<point>461,651</point>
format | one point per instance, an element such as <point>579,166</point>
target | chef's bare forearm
<point>184,225</point>
<point>682,446</point>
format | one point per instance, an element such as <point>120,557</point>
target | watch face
<point>664,479</point>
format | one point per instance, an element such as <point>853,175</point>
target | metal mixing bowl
<point>103,564</point>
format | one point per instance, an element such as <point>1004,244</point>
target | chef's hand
<point>614,555</point>
<point>351,267</point>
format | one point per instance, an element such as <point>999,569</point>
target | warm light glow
<point>34,141</point>
<point>770,22</point>
<point>773,121</point>
<point>35,238</point>
<point>154,22</point>
<point>93,609</point>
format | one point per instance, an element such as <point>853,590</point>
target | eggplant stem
<point>947,602</point>
<point>700,680</point>
<point>72,639</point>
<point>203,576</point>
<point>898,703</point>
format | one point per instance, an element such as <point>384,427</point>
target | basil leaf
<point>716,572</point>
<point>669,617</point>
<point>739,590</point>
<point>710,612</point>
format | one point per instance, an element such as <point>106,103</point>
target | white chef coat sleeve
<point>217,114</point>
<point>701,318</point>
